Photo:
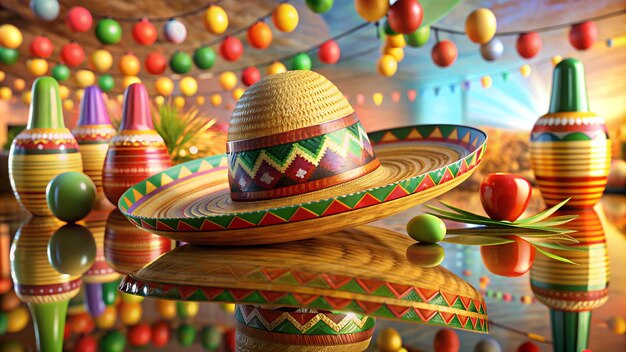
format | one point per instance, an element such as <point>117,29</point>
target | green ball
<point>112,341</point>
<point>204,57</point>
<point>61,72</point>
<point>106,83</point>
<point>186,334</point>
<point>387,29</point>
<point>426,228</point>
<point>72,249</point>
<point>319,6</point>
<point>109,292</point>
<point>211,338</point>
<point>4,322</point>
<point>71,196</point>
<point>425,255</point>
<point>301,61</point>
<point>108,31</point>
<point>418,38</point>
<point>9,56</point>
<point>180,62</point>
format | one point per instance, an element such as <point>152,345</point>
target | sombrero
<point>364,271</point>
<point>299,164</point>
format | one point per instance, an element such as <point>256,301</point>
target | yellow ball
<point>26,97</point>
<point>19,84</point>
<point>237,93</point>
<point>480,25</point>
<point>85,78</point>
<point>128,80</point>
<point>200,100</point>
<point>525,70</point>
<point>387,65</point>
<point>5,93</point>
<point>397,53</point>
<point>166,309</point>
<point>79,94</point>
<point>276,67</point>
<point>617,325</point>
<point>389,340</point>
<point>128,298</point>
<point>18,319</point>
<point>285,17</point>
<point>216,100</point>
<point>228,80</point>
<point>556,59</point>
<point>486,82</point>
<point>129,65</point>
<point>37,67</point>
<point>10,36</point>
<point>187,309</point>
<point>120,98</point>
<point>101,60</point>
<point>68,104</point>
<point>159,100</point>
<point>2,76</point>
<point>107,319</point>
<point>228,307</point>
<point>377,98</point>
<point>372,10</point>
<point>188,86</point>
<point>64,92</point>
<point>395,41</point>
<point>164,86</point>
<point>215,20</point>
<point>129,312</point>
<point>179,102</point>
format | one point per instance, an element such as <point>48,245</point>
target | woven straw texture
<point>285,102</point>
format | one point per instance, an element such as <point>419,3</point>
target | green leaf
<point>551,238</point>
<point>556,221</point>
<point>461,219</point>
<point>465,212</point>
<point>558,246</point>
<point>477,240</point>
<point>553,256</point>
<point>542,215</point>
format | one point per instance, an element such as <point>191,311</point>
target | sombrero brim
<point>191,202</point>
<point>363,270</point>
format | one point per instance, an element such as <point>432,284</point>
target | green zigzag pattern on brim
<point>468,137</point>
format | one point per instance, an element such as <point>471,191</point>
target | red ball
<point>144,32</point>
<point>405,16</point>
<point>444,53</point>
<point>329,52</point>
<point>230,337</point>
<point>81,323</point>
<point>86,343</point>
<point>528,44</point>
<point>161,334</point>
<point>41,47</point>
<point>139,335</point>
<point>250,75</point>
<point>155,63</point>
<point>446,340</point>
<point>79,19</point>
<point>583,35</point>
<point>66,332</point>
<point>231,48</point>
<point>72,54</point>
<point>528,347</point>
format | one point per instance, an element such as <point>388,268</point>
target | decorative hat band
<point>300,161</point>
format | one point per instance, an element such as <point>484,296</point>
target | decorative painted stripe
<point>307,340</point>
<point>45,290</point>
<point>575,120</point>
<point>568,136</point>
<point>292,136</point>
<point>569,293</point>
<point>45,151</point>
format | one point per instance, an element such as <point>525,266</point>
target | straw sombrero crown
<point>297,153</point>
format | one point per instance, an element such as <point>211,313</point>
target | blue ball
<point>47,10</point>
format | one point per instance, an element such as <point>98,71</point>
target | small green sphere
<point>180,62</point>
<point>387,29</point>
<point>4,323</point>
<point>426,228</point>
<point>319,6</point>
<point>8,56</point>
<point>109,292</point>
<point>186,334</point>
<point>71,196</point>
<point>211,338</point>
<point>418,38</point>
<point>106,83</point>
<point>108,31</point>
<point>72,249</point>
<point>112,341</point>
<point>61,72</point>
<point>301,61</point>
<point>204,57</point>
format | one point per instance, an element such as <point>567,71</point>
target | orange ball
<point>259,35</point>
<point>166,309</point>
<point>129,65</point>
<point>81,323</point>
<point>129,312</point>
<point>107,319</point>
<point>9,301</point>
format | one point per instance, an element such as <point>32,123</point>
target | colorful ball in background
<point>395,41</point>
<point>276,67</point>
<point>204,57</point>
<point>371,10</point>
<point>108,31</point>
<point>446,340</point>
<point>492,50</point>
<point>61,72</point>
<point>72,54</point>
<point>389,340</point>
<point>488,345</point>
<point>10,36</point>
<point>486,82</point>
<point>301,61</point>
<point>319,6</point>
<point>180,62</point>
<point>37,67</point>
<point>5,93</point>
<point>583,35</point>
<point>106,83</point>
<point>387,65</point>
<point>250,75</point>
<point>8,56</point>
<point>329,53</point>
<point>47,10</point>
<point>164,86</point>
<point>216,100</point>
<point>41,46</point>
<point>405,16</point>
<point>387,30</point>
<point>161,334</point>
<point>101,60</point>
<point>215,20</point>
<point>188,86</point>
<point>159,100</point>
<point>72,248</point>
<point>397,53</point>
<point>179,102</point>
<point>186,334</point>
<point>231,48</point>
<point>528,44</point>
<point>480,25</point>
<point>86,343</point>
<point>228,80</point>
<point>211,338</point>
<point>525,70</point>
<point>64,92</point>
<point>139,335</point>
<point>444,53</point>
<point>285,17</point>
<point>175,31</point>
<point>128,80</point>
<point>144,32</point>
<point>237,93</point>
<point>112,341</point>
<point>259,35</point>
<point>200,100</point>
<point>418,38</point>
<point>155,63</point>
<point>78,19</point>
<point>85,78</point>
<point>528,347</point>
<point>19,84</point>
<point>129,64</point>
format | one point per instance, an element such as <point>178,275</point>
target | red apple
<point>511,259</point>
<point>505,196</point>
